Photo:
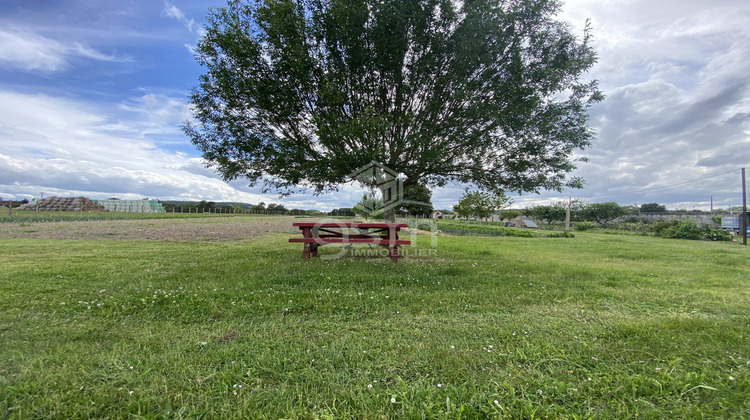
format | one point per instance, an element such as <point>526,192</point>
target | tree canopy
<point>299,94</point>
<point>653,208</point>
<point>417,200</point>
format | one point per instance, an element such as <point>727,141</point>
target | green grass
<point>596,326</point>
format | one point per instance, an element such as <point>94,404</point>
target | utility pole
<point>743,220</point>
<point>567,215</point>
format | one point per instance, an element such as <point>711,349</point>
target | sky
<point>93,95</point>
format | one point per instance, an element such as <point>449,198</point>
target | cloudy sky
<point>92,95</point>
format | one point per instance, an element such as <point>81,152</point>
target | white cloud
<point>25,50</point>
<point>29,51</point>
<point>172,11</point>
<point>675,72</point>
<point>677,81</point>
<point>65,145</point>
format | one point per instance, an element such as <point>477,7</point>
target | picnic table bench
<point>316,234</point>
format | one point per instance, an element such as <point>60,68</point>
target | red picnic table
<point>315,234</point>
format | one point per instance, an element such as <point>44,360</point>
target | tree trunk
<point>389,198</point>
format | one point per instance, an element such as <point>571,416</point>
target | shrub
<point>688,229</point>
<point>581,226</point>
<point>658,227</point>
<point>683,229</point>
<point>715,234</point>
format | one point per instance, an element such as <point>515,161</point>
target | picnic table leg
<point>314,249</point>
<point>393,249</point>
<point>393,252</point>
<point>306,252</point>
<point>306,233</point>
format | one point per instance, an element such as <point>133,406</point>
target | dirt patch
<point>211,229</point>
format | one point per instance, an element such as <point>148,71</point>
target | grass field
<point>603,326</point>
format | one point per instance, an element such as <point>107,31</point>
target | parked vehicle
<point>730,223</point>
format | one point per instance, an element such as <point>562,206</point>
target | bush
<point>682,229</point>
<point>581,226</point>
<point>714,234</point>
<point>658,227</point>
<point>688,229</point>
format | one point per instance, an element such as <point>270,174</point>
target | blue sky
<point>92,95</point>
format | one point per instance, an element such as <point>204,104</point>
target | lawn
<point>598,325</point>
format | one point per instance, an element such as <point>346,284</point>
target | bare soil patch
<point>211,229</point>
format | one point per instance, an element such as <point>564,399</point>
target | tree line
<point>482,205</point>
<point>204,206</point>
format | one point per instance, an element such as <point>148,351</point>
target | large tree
<point>300,94</point>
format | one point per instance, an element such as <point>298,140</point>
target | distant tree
<point>419,200</point>
<point>369,206</point>
<point>576,207</point>
<point>480,204</point>
<point>342,212</point>
<point>259,207</point>
<point>653,208</point>
<point>547,214</point>
<point>602,212</point>
<point>301,94</point>
<point>462,209</point>
<point>509,214</point>
<point>277,208</point>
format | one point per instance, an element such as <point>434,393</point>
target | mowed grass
<point>598,326</point>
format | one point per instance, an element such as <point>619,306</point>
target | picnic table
<point>316,234</point>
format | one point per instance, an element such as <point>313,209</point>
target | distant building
<point>132,206</point>
<point>525,223</point>
<point>62,204</point>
